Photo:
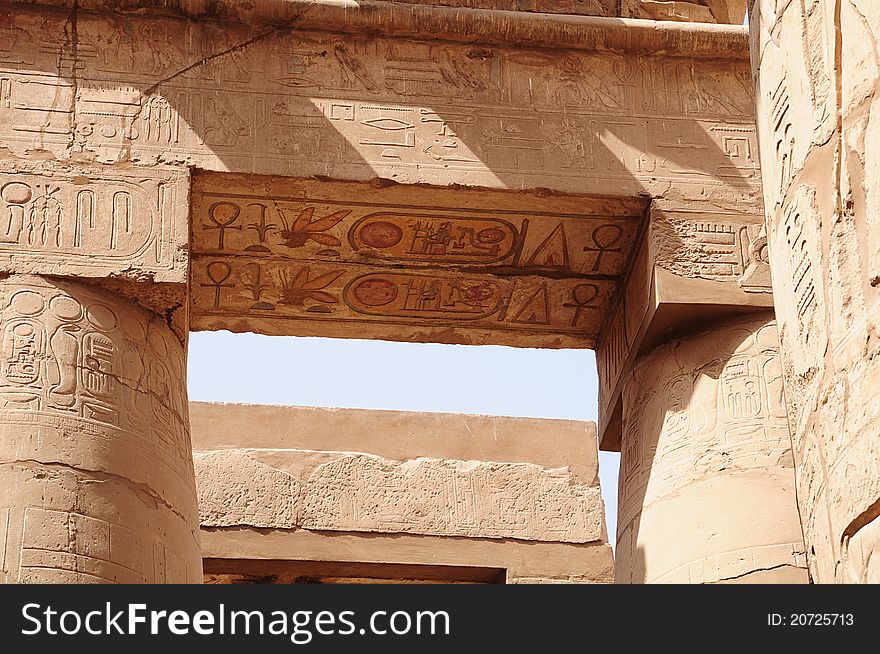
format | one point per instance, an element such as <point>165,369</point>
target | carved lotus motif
<point>303,229</point>
<point>297,289</point>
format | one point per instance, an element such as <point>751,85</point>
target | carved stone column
<point>96,475</point>
<point>817,74</point>
<point>706,478</point>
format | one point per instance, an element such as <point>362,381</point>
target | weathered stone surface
<point>574,7</point>
<point>287,101</point>
<point>707,490</point>
<point>305,257</point>
<point>342,492</point>
<point>106,107</point>
<point>97,480</point>
<point>237,489</point>
<point>416,19</point>
<point>406,435</point>
<point>360,492</point>
<point>817,74</point>
<point>94,221</point>
<point>700,11</point>
<point>691,268</point>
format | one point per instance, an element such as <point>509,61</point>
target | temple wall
<point>479,488</point>
<point>458,173</point>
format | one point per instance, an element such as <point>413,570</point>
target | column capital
<point>694,265</point>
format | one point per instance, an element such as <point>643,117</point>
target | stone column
<point>817,76</point>
<point>706,478</point>
<point>96,474</point>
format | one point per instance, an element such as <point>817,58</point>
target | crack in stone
<point>70,47</point>
<point>205,60</point>
<point>100,476</point>
<point>754,570</point>
<point>136,386</point>
<point>263,35</point>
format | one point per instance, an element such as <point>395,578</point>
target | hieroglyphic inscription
<point>739,421</point>
<point>93,222</point>
<point>714,247</point>
<point>818,73</point>
<point>621,329</point>
<point>300,103</point>
<point>576,7</point>
<point>347,230</point>
<point>77,361</point>
<point>700,414</point>
<point>283,251</point>
<point>699,249</point>
<point>286,292</point>
<point>701,11</point>
<point>364,493</point>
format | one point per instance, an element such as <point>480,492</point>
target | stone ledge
<point>357,492</point>
<point>457,24</point>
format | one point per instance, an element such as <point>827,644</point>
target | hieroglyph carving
<point>365,493</point>
<point>696,246</point>
<point>93,222</point>
<point>817,70</point>
<point>714,247</point>
<point>703,413</point>
<point>287,258</point>
<point>535,238</point>
<point>699,11</point>
<point>94,440</point>
<point>723,411</point>
<point>280,295</point>
<point>576,7</point>
<point>292,102</point>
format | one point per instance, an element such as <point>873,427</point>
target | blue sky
<point>505,381</point>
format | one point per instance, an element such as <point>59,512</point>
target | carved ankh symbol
<point>222,224</point>
<point>218,272</point>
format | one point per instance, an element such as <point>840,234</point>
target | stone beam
<point>692,267</point>
<point>557,23</point>
<point>286,100</point>
<point>469,488</point>
<point>320,258</point>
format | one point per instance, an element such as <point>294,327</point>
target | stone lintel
<point>693,267</point>
<point>289,100</point>
<point>235,552</point>
<point>306,257</point>
<point>555,24</point>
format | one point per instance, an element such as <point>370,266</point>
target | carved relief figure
<point>703,418</point>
